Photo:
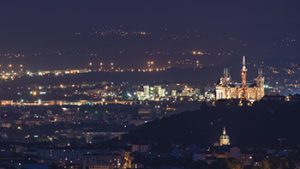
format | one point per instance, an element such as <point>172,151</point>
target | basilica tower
<point>244,80</point>
<point>260,80</point>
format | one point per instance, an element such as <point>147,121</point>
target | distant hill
<point>262,124</point>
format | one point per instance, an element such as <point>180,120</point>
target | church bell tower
<point>224,138</point>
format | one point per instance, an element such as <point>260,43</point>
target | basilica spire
<point>260,73</point>
<point>244,69</point>
<point>224,130</point>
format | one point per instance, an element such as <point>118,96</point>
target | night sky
<point>50,27</point>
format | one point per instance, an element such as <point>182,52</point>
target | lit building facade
<point>226,89</point>
<point>151,93</point>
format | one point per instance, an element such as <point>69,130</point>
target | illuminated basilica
<point>226,89</point>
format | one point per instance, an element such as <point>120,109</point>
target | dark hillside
<point>261,124</point>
